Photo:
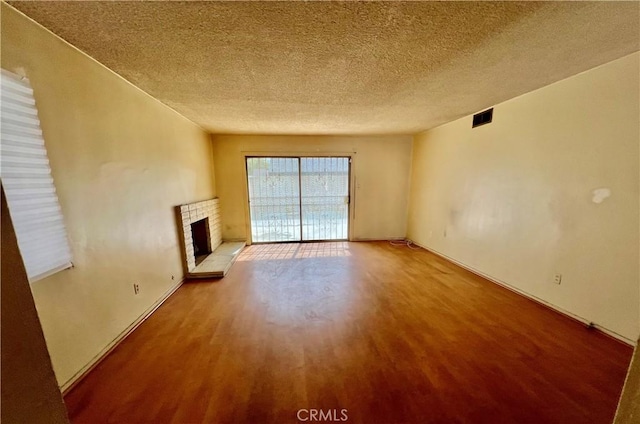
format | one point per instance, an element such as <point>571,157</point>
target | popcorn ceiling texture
<point>340,68</point>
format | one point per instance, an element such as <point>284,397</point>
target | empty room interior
<point>274,212</point>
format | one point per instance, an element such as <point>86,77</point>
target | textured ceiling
<point>340,68</point>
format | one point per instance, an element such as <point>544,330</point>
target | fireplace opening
<point>200,236</point>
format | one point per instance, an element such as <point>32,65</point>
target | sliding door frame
<point>300,155</point>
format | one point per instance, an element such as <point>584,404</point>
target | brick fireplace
<point>200,226</point>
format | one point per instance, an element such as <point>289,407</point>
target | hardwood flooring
<point>389,334</point>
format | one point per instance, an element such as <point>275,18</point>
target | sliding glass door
<point>298,198</point>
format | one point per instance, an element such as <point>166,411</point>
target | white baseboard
<point>536,299</point>
<point>77,377</point>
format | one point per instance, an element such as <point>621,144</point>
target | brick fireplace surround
<point>223,255</point>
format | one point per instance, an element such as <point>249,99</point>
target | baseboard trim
<point>536,299</point>
<point>77,378</point>
<point>378,239</point>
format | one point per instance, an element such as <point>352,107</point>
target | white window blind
<point>28,185</point>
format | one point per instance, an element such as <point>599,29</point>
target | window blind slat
<point>34,230</point>
<point>18,118</point>
<point>17,172</point>
<point>33,201</point>
<point>17,108</point>
<point>14,137</point>
<point>29,236</point>
<point>19,84</point>
<point>28,184</point>
<point>18,128</point>
<point>20,160</point>
<point>24,151</point>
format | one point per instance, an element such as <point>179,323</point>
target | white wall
<point>380,169</point>
<point>515,200</point>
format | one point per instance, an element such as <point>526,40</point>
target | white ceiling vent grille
<point>28,185</point>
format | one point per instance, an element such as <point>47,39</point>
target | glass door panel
<point>274,199</point>
<point>325,198</point>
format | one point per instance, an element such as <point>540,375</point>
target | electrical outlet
<point>136,288</point>
<point>557,279</point>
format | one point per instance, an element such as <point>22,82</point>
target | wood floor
<point>389,334</point>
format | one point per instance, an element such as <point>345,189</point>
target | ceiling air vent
<point>482,118</point>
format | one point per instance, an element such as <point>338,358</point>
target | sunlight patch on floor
<point>281,251</point>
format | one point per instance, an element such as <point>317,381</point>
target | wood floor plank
<point>391,334</point>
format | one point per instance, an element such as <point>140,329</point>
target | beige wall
<point>121,161</point>
<point>515,199</point>
<point>380,168</point>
